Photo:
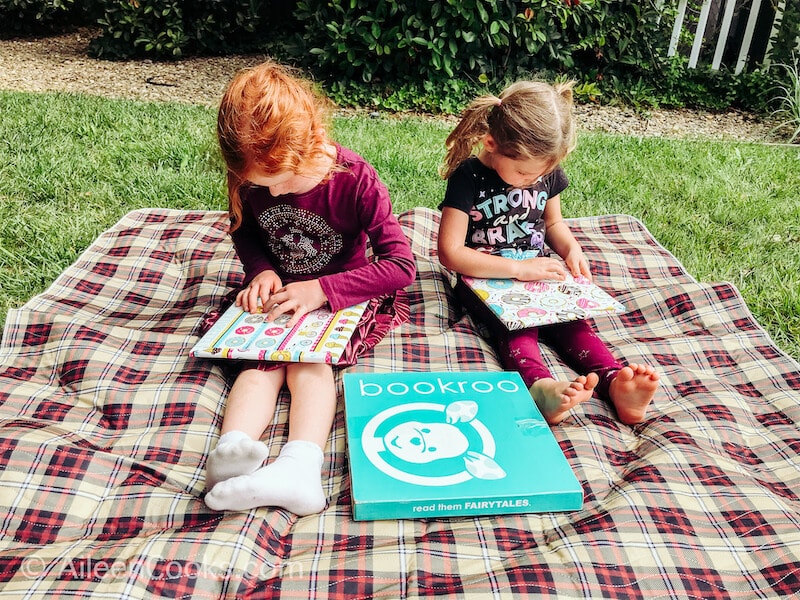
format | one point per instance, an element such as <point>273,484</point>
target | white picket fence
<point>733,33</point>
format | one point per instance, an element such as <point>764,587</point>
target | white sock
<point>292,481</point>
<point>236,454</point>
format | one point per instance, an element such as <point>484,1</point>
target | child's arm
<point>559,237</point>
<point>393,266</point>
<point>394,269</point>
<point>455,255</point>
<point>249,249</point>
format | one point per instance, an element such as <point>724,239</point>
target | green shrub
<point>141,27</point>
<point>480,40</point>
<point>172,28</point>
<point>367,40</point>
<point>43,16</point>
<point>672,84</point>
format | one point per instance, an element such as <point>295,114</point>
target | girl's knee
<point>304,372</point>
<point>255,375</point>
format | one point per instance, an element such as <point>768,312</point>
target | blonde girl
<point>504,149</point>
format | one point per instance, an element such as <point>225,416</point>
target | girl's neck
<point>486,158</point>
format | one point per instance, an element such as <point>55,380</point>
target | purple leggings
<point>575,341</point>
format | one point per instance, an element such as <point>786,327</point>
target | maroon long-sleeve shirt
<point>323,234</point>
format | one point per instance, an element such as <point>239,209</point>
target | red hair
<point>272,121</point>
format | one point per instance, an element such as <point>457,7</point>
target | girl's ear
<point>489,144</point>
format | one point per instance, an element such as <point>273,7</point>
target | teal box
<point>450,445</point>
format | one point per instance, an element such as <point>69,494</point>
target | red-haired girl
<point>302,210</point>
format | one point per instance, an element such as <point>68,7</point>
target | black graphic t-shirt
<point>502,219</point>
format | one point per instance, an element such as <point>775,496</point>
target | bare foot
<point>631,392</point>
<point>556,398</point>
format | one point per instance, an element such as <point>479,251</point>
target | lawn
<point>71,165</point>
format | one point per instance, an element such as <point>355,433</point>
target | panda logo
<point>431,444</point>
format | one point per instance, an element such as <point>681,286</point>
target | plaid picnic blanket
<point>106,422</point>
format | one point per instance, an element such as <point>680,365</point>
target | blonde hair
<point>530,119</point>
<point>271,120</point>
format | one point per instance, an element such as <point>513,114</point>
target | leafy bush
<point>173,28</point>
<point>482,40</point>
<point>402,41</point>
<point>42,16</point>
<point>132,28</point>
<point>392,50</point>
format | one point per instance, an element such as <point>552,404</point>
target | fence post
<point>725,28</point>
<point>699,34</point>
<point>780,10</point>
<point>748,36</point>
<point>676,29</point>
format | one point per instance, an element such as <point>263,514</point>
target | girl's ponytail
<point>468,133</point>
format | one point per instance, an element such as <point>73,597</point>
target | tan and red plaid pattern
<point>105,424</point>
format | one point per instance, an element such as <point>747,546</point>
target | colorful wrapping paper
<point>320,336</point>
<point>520,304</point>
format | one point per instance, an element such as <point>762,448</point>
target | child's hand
<point>536,269</point>
<point>261,288</point>
<point>577,264</point>
<point>300,298</point>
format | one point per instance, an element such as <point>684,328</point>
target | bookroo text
<point>439,386</point>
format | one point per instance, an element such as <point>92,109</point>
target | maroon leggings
<point>575,342</point>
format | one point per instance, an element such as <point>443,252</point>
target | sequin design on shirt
<point>301,240</point>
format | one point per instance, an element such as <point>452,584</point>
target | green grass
<point>71,166</point>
